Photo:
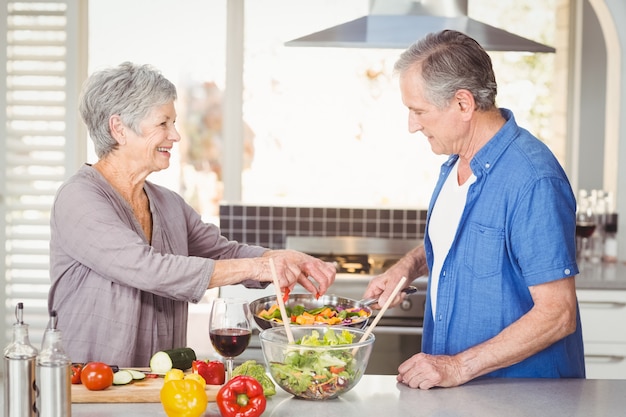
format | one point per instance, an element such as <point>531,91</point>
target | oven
<point>357,259</point>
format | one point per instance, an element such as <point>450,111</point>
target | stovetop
<point>355,255</point>
<point>347,264</point>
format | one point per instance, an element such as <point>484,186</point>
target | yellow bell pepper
<point>196,377</point>
<point>173,374</point>
<point>183,398</point>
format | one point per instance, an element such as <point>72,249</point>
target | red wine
<point>230,342</point>
<point>585,229</point>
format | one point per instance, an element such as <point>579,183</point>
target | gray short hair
<point>450,61</point>
<point>128,90</point>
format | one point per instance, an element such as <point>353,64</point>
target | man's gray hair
<point>451,61</point>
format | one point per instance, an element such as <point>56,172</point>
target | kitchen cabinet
<point>603,316</point>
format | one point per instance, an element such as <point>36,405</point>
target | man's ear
<point>465,101</point>
<point>118,129</point>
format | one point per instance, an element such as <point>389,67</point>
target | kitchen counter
<point>601,276</point>
<point>380,395</point>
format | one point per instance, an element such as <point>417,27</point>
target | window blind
<point>44,49</point>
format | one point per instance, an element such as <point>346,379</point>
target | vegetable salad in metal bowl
<point>306,309</point>
<point>323,363</point>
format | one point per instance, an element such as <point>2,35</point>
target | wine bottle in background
<point>598,205</point>
<point>610,239</point>
<point>19,371</point>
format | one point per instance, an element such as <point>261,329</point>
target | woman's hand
<point>291,267</point>
<point>294,267</point>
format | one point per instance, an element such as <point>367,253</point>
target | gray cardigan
<point>120,299</point>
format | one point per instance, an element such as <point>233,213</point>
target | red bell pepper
<point>286,294</point>
<point>213,372</point>
<point>242,396</point>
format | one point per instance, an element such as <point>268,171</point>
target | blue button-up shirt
<point>517,230</point>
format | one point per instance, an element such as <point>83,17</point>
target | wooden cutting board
<point>143,391</point>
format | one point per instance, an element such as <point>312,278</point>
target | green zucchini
<point>122,377</point>
<point>166,360</point>
<point>137,375</point>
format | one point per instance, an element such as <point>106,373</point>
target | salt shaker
<point>19,375</point>
<point>53,374</point>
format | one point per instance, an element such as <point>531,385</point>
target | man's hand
<point>426,371</point>
<point>411,265</point>
<point>381,287</point>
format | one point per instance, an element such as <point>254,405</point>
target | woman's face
<point>150,151</point>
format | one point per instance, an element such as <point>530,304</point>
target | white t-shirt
<point>444,221</point>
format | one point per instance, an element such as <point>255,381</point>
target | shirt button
<point>567,271</point>
<point>487,165</point>
<point>440,317</point>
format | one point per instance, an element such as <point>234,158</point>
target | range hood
<point>396,24</point>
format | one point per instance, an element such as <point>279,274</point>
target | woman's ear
<point>118,129</point>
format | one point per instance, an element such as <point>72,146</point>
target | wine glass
<point>230,329</point>
<point>585,226</point>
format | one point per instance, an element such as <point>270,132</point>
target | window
<point>41,79</point>
<point>318,122</point>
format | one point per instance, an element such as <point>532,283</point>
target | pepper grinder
<point>19,375</point>
<point>53,374</point>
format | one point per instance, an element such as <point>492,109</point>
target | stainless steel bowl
<point>309,302</point>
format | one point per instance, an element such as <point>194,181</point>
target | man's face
<point>443,127</point>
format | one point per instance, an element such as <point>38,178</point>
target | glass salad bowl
<point>323,363</point>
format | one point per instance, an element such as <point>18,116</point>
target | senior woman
<point>127,255</point>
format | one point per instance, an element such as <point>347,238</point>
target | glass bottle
<point>598,206</point>
<point>610,239</point>
<point>19,375</point>
<point>53,374</point>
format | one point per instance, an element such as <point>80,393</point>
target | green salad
<point>317,374</point>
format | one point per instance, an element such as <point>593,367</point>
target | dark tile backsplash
<point>270,226</point>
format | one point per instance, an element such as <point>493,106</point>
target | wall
<point>270,226</point>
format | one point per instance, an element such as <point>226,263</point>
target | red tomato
<point>76,369</point>
<point>96,376</point>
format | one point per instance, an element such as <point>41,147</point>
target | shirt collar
<point>489,154</point>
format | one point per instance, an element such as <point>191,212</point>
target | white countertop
<point>377,395</point>
<point>601,276</point>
